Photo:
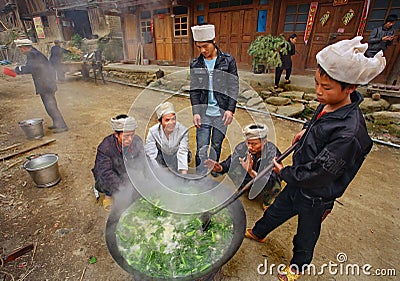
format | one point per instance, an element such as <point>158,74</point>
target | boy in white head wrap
<point>250,157</point>
<point>214,89</point>
<point>109,168</point>
<point>330,150</point>
<point>167,142</point>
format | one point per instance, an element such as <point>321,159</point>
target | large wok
<point>239,225</point>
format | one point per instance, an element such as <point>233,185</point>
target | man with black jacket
<point>214,88</point>
<point>329,153</point>
<point>286,62</point>
<point>44,79</point>
<point>56,58</point>
<point>381,37</point>
<point>250,157</point>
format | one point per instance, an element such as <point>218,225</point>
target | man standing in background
<point>44,79</point>
<point>381,37</point>
<point>56,58</point>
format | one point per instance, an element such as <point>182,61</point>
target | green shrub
<point>266,49</point>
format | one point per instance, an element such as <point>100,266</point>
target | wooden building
<point>162,28</point>
<point>9,16</point>
<point>159,30</point>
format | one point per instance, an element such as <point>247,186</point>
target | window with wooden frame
<point>379,12</point>
<point>145,26</point>
<point>181,26</point>
<point>296,18</point>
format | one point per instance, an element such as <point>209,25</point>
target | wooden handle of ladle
<point>239,192</point>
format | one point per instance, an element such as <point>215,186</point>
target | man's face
<point>206,49</point>
<point>125,138</point>
<point>24,49</point>
<point>389,24</point>
<point>330,91</point>
<point>256,145</point>
<point>168,122</point>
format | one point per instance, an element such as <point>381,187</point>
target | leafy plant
<point>71,57</point>
<point>76,40</point>
<point>266,49</point>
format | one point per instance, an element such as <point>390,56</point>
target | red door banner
<point>364,16</point>
<point>310,20</point>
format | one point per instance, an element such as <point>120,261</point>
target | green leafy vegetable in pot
<point>166,245</point>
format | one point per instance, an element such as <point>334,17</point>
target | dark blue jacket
<point>375,42</point>
<point>56,55</point>
<point>225,83</point>
<point>109,168</point>
<point>287,59</point>
<point>331,152</point>
<point>42,72</point>
<point>240,176</point>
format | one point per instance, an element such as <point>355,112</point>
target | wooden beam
<point>26,150</point>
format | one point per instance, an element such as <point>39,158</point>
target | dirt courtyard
<point>67,226</point>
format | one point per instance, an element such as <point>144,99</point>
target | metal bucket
<point>33,128</point>
<point>43,169</point>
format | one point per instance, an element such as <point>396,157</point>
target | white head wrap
<point>124,124</point>
<point>202,33</point>
<point>164,108</point>
<point>23,42</point>
<point>255,131</point>
<point>344,61</point>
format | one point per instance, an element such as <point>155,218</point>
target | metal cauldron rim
<point>239,220</point>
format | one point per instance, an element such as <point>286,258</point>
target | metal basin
<point>43,169</point>
<point>33,128</point>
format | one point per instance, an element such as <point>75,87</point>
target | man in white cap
<point>44,79</point>
<point>330,151</point>
<point>250,157</point>
<point>214,87</point>
<point>109,168</point>
<point>167,141</point>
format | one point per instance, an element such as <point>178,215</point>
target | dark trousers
<point>59,69</point>
<point>212,128</point>
<point>290,202</point>
<point>50,104</point>
<point>101,187</point>
<point>278,74</point>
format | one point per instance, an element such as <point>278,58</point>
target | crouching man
<point>167,141</point>
<point>248,158</point>
<point>109,169</point>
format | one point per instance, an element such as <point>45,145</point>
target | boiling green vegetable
<point>162,244</point>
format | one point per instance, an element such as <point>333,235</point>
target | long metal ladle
<point>206,217</point>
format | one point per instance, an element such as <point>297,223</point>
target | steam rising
<point>160,186</point>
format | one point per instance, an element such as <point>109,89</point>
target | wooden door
<point>131,39</point>
<point>334,29</point>
<point>182,51</point>
<point>233,32</point>
<point>163,36</point>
